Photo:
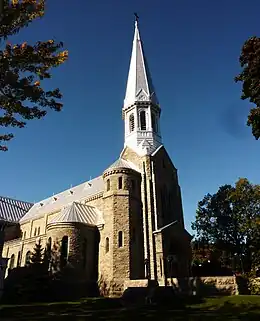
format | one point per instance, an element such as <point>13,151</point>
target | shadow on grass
<point>229,308</point>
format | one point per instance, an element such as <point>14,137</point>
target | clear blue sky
<point>192,49</point>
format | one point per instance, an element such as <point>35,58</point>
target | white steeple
<point>141,110</point>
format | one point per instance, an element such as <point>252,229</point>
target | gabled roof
<point>139,84</point>
<point>79,213</point>
<point>12,210</point>
<point>58,201</point>
<point>122,163</point>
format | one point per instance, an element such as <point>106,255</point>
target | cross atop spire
<point>136,18</point>
<point>139,83</point>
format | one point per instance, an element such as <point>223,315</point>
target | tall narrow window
<point>64,250</point>
<point>35,231</point>
<point>107,245</point>
<point>39,230</point>
<point>142,120</point>
<point>84,253</point>
<point>48,249</point>
<point>120,239</point>
<point>131,123</point>
<point>108,185</point>
<point>19,258</point>
<point>11,265</point>
<point>120,182</point>
<point>154,123</point>
<point>24,235</point>
<point>28,258</point>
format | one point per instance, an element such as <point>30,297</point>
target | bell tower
<point>141,110</point>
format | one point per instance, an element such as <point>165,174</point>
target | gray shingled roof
<point>58,201</point>
<point>139,84</point>
<point>121,163</point>
<point>12,210</point>
<point>79,213</point>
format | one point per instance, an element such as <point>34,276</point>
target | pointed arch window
<point>11,265</point>
<point>28,258</point>
<point>131,123</point>
<point>107,245</point>
<point>143,120</point>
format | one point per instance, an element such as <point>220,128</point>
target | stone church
<point>125,226</point>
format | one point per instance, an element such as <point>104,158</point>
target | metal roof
<point>139,84</point>
<point>58,201</point>
<point>79,213</point>
<point>121,163</point>
<point>12,210</point>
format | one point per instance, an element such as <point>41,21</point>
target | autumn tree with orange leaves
<point>23,67</point>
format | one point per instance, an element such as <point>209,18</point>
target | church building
<point>123,227</point>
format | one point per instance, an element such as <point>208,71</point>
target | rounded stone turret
<point>121,175</point>
<point>73,237</point>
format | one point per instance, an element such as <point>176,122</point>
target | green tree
<point>250,78</point>
<point>23,67</point>
<point>230,220</point>
<point>37,256</point>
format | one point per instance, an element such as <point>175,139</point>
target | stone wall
<point>205,286</point>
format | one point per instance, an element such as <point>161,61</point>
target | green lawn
<point>222,308</point>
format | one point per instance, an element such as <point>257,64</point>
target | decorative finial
<point>136,18</point>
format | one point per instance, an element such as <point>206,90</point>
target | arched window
<point>120,182</point>
<point>19,258</point>
<point>11,265</point>
<point>39,230</point>
<point>154,123</point>
<point>64,250</point>
<point>131,123</point>
<point>120,239</point>
<point>108,185</point>
<point>84,253</point>
<point>48,248</point>
<point>107,245</point>
<point>28,258</point>
<point>143,120</point>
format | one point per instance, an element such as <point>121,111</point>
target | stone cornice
<point>120,171</point>
<point>141,104</point>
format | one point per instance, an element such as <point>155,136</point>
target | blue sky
<point>192,50</point>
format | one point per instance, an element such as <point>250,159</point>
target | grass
<point>220,308</point>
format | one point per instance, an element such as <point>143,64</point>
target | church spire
<point>141,111</point>
<point>139,83</point>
